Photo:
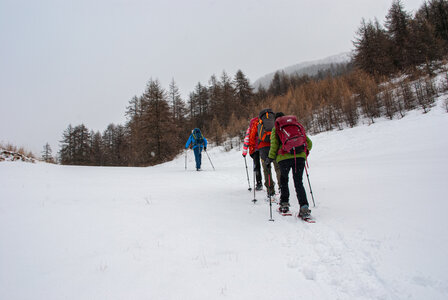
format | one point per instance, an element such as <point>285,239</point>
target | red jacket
<point>254,143</point>
<point>254,140</point>
<point>253,136</point>
<point>246,138</point>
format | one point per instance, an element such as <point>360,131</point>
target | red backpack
<point>292,135</point>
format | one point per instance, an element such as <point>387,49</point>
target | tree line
<point>404,42</point>
<point>159,121</point>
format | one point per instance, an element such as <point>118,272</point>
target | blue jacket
<point>192,140</point>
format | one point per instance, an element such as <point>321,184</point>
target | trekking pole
<point>185,159</point>
<point>270,202</point>
<point>255,199</point>
<point>210,160</point>
<point>247,173</point>
<point>311,190</point>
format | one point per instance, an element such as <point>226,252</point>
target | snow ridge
<point>310,68</point>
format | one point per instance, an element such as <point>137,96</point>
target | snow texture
<point>163,232</point>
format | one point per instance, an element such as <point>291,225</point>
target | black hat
<point>279,114</point>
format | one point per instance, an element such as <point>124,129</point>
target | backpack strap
<point>260,121</point>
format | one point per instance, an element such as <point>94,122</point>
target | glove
<point>307,152</point>
<point>244,154</point>
<point>205,148</point>
<point>268,162</point>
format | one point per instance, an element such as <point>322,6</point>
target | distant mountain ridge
<point>310,68</point>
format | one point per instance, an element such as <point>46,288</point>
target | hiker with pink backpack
<point>290,147</point>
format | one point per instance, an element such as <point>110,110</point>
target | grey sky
<point>71,62</point>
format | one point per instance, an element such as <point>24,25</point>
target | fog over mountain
<point>310,68</point>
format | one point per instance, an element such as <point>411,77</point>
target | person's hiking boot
<point>304,211</point>
<point>271,192</point>
<point>284,207</point>
<point>259,186</point>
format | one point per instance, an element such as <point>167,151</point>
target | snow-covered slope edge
<point>6,155</point>
<point>169,233</point>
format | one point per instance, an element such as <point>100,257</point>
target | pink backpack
<point>292,135</point>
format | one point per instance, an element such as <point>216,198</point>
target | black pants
<point>297,165</point>
<point>257,167</point>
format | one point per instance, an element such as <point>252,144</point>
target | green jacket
<point>276,145</point>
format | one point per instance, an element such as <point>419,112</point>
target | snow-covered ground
<point>163,232</point>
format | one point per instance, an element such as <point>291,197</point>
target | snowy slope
<point>166,233</point>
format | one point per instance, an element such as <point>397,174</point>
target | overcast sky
<point>70,62</point>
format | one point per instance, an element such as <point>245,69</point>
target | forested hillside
<point>393,69</point>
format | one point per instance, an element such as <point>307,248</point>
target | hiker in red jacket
<point>260,139</point>
<point>254,153</point>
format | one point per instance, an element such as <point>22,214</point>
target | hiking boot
<point>271,192</point>
<point>284,207</point>
<point>304,211</point>
<point>259,187</point>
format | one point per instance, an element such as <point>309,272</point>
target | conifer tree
<point>279,84</point>
<point>81,153</point>
<point>227,98</point>
<point>47,154</point>
<point>436,13</point>
<point>115,145</point>
<point>179,112</point>
<point>97,156</point>
<point>398,29</point>
<point>200,101</point>
<point>135,128</point>
<point>158,128</point>
<point>214,92</point>
<point>372,49</point>
<point>66,151</point>
<point>75,146</point>
<point>426,47</point>
<point>175,101</point>
<point>243,92</point>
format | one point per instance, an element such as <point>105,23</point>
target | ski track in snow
<point>167,233</point>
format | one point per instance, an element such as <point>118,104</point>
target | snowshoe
<point>305,211</point>
<point>305,214</point>
<point>283,209</point>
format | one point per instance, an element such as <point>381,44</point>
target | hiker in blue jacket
<point>197,141</point>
